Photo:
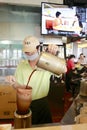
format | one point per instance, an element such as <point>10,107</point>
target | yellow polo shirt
<point>39,81</point>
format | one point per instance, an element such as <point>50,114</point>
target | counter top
<point>69,116</point>
<point>62,127</point>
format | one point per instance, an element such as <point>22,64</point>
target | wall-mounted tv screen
<point>62,20</point>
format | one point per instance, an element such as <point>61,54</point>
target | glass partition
<point>10,56</point>
<point>10,53</point>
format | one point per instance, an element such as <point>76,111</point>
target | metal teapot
<point>52,63</point>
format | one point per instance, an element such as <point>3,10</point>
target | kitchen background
<point>16,22</point>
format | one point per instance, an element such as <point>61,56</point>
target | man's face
<point>81,56</point>
<point>32,56</point>
<point>30,53</point>
<point>73,59</point>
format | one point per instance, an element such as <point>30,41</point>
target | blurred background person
<point>70,66</point>
<point>82,60</point>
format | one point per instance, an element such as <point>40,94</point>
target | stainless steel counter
<point>69,116</point>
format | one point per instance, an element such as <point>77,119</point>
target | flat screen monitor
<point>62,20</point>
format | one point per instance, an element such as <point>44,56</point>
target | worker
<point>40,80</point>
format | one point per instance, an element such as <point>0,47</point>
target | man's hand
<point>53,49</point>
<point>11,79</point>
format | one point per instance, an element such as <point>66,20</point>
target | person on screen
<point>77,24</point>
<point>57,22</point>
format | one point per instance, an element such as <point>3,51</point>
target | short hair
<point>57,14</point>
<point>81,54</point>
<point>77,16</point>
<point>71,56</point>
